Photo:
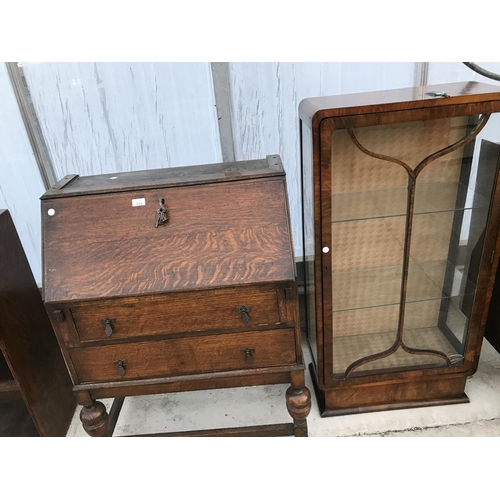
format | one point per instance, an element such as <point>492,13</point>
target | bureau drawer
<point>176,313</point>
<point>196,354</point>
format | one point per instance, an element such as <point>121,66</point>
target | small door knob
<point>248,353</point>
<point>120,363</point>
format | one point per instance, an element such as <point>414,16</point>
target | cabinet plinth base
<point>324,412</point>
<point>392,396</point>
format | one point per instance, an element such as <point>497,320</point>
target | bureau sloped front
<point>217,235</point>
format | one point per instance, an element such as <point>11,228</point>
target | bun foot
<point>298,404</point>
<point>95,419</point>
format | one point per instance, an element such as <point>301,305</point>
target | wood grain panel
<point>252,378</point>
<point>185,355</point>
<point>385,397</point>
<point>316,109</point>
<point>221,234</point>
<point>176,313</point>
<point>74,185</point>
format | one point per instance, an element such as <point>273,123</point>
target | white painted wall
<point>20,181</point>
<point>112,117</point>
<point>458,72</point>
<point>445,72</point>
<point>265,100</point>
<point>109,117</point>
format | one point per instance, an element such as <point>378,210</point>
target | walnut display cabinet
<point>401,211</point>
<point>175,279</point>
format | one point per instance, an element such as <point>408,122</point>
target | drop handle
<point>248,353</point>
<point>244,310</point>
<point>108,325</point>
<point>120,363</point>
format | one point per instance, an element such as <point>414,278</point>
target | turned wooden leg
<point>93,415</point>
<point>298,402</point>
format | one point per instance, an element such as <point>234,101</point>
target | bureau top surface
<point>217,234</point>
<point>74,185</point>
<point>315,109</point>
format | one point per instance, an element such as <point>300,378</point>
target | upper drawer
<point>176,313</point>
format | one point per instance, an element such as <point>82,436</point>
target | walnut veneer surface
<point>401,220</point>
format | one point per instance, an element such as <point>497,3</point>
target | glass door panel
<point>362,332</point>
<point>407,228</point>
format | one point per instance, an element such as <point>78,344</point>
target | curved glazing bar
<point>412,177</point>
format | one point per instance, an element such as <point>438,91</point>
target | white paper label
<point>139,202</point>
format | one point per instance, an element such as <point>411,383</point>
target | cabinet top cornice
<point>313,110</point>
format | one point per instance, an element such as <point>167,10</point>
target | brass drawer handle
<point>248,355</point>
<point>161,213</point>
<point>244,310</point>
<point>120,363</point>
<point>107,323</point>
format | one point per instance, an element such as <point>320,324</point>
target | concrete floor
<point>266,405</point>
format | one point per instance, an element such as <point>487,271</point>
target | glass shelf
<point>376,287</point>
<point>384,318</point>
<point>364,332</point>
<point>430,197</point>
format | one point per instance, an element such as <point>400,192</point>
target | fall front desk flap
<point>170,229</point>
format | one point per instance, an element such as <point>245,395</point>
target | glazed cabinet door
<point>408,227</point>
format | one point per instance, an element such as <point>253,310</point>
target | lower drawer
<point>200,354</point>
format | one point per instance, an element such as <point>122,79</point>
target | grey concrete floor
<point>266,405</point>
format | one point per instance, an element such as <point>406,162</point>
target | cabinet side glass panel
<point>401,316</point>
<point>308,236</point>
<point>469,233</point>
<point>452,260</point>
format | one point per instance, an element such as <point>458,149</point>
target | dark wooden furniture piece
<point>492,329</point>
<point>401,212</point>
<point>174,280</point>
<point>35,389</point>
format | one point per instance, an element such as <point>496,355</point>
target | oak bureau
<point>174,279</point>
